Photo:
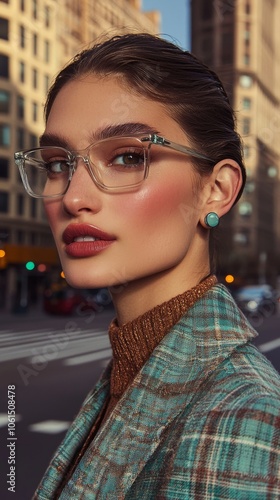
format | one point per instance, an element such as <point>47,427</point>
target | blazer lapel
<point>134,429</point>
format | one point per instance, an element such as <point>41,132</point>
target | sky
<point>174,19</point>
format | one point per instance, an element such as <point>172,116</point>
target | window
<point>242,237</point>
<point>20,236</point>
<point>47,83</point>
<point>207,49</point>
<point>35,78</point>
<point>4,66</point>
<point>33,142</point>
<point>47,51</point>
<point>246,151</point>
<point>4,168</point>
<point>245,81</point>
<point>20,107</point>
<point>246,126</point>
<point>47,16</point>
<point>247,8</point>
<point>22,36</point>
<point>245,209</point>
<point>20,204</point>
<point>20,138</point>
<point>4,234</point>
<point>5,135</point>
<point>246,60</point>
<point>4,28</point>
<point>272,171</point>
<point>22,5</point>
<point>4,201</point>
<point>206,10</point>
<point>5,98</point>
<point>33,207</point>
<point>249,187</point>
<point>33,236</point>
<point>34,111</point>
<point>227,48</point>
<point>34,9</point>
<point>21,71</point>
<point>35,44</point>
<point>247,33</point>
<point>246,103</point>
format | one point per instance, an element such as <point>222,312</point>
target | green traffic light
<point>30,265</point>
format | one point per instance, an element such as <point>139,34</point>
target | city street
<point>53,362</point>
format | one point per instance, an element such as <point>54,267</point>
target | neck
<point>135,298</point>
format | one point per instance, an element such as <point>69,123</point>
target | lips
<point>84,240</point>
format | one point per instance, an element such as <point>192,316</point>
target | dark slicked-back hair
<point>159,70</point>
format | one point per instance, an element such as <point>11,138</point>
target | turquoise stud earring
<point>212,219</point>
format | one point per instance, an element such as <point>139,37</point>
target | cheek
<point>157,208</point>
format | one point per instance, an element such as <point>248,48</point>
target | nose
<point>82,195</point>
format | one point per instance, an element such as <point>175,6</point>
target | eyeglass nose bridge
<point>78,156</point>
<point>85,158</point>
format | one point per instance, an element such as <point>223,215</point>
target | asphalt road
<point>53,362</point>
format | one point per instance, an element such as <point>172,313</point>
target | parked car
<point>257,299</point>
<point>67,300</point>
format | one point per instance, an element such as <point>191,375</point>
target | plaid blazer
<point>200,421</point>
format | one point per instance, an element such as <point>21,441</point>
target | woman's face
<point>105,238</point>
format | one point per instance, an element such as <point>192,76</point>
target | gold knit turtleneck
<point>133,342</point>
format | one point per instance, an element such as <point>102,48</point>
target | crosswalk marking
<point>50,426</point>
<point>87,358</point>
<point>50,345</point>
<point>269,346</point>
<point>4,419</point>
<point>78,346</point>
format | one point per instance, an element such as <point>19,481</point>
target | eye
<point>56,166</point>
<point>128,159</point>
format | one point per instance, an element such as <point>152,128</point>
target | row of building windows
<point>35,75</point>
<point>24,205</point>
<point>24,36</point>
<point>22,237</point>
<point>24,140</point>
<point>38,13</point>
<point>222,8</point>
<point>5,106</point>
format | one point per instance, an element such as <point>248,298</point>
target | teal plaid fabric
<point>200,421</point>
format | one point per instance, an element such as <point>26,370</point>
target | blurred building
<point>240,40</point>
<point>37,37</point>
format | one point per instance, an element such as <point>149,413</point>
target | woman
<point>138,162</point>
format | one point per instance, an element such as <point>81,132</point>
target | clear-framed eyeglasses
<point>114,164</point>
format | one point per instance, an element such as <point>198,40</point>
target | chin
<point>84,279</point>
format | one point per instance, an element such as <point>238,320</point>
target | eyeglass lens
<point>118,162</point>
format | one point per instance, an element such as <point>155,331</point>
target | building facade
<point>37,37</point>
<point>240,40</point>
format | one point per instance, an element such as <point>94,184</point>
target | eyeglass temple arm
<point>157,139</point>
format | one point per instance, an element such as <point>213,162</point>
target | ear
<point>222,188</point>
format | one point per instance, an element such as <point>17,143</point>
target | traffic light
<point>30,265</point>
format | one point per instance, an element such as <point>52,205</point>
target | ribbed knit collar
<point>133,342</point>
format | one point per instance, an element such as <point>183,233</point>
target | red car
<point>70,300</point>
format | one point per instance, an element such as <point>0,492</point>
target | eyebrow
<point>121,129</point>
